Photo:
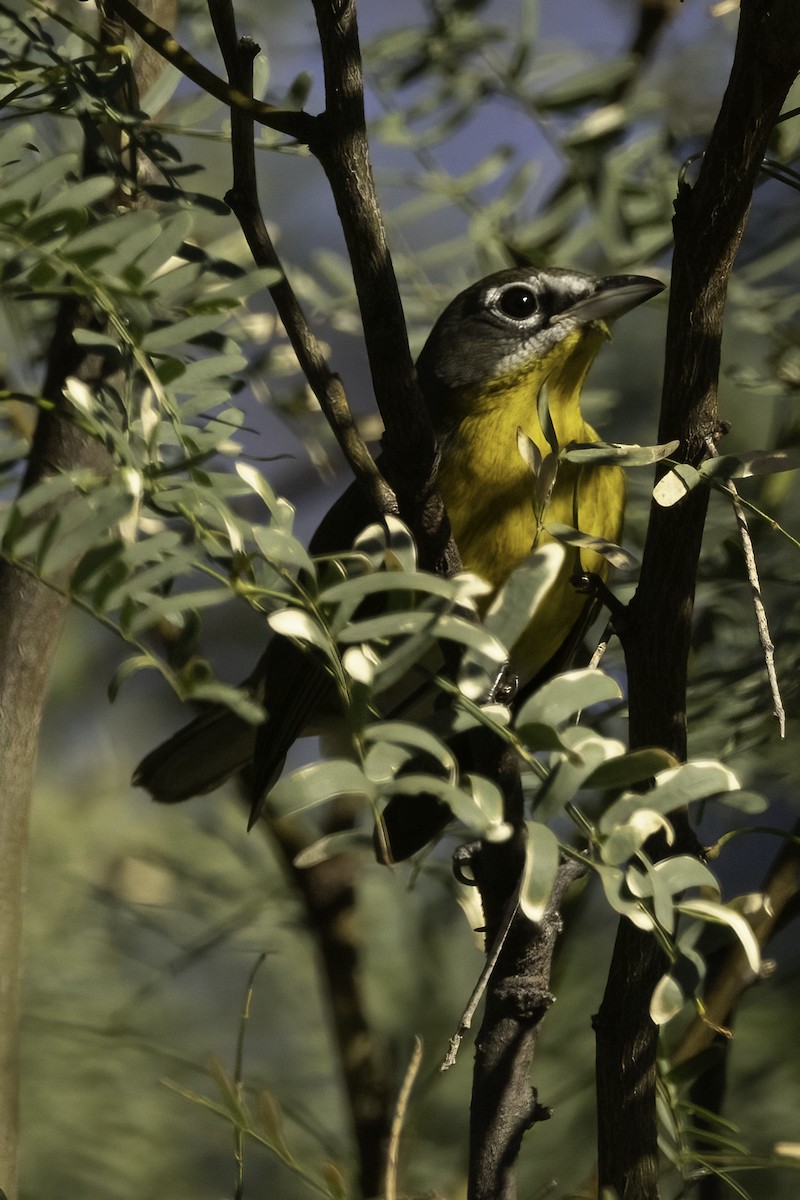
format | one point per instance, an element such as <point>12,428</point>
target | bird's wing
<point>198,758</point>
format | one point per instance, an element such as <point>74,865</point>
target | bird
<point>499,347</point>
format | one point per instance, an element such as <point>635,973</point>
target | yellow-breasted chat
<point>503,346</point>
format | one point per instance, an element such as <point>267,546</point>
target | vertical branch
<point>340,144</point>
<point>30,631</point>
<point>710,218</point>
<point>504,1104</point>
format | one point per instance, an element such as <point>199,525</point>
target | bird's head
<point>517,323</point>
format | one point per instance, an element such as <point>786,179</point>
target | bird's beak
<point>612,296</point>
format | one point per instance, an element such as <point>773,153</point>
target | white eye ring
<point>518,301</point>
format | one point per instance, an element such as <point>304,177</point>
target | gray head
<point>507,320</point>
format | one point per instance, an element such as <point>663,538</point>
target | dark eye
<point>518,302</point>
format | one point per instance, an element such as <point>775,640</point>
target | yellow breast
<point>487,487</point>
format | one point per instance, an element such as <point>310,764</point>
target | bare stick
<point>399,1117</point>
<point>480,987</point>
<point>762,625</point>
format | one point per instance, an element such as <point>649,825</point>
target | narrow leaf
<point>314,784</point>
<point>720,914</point>
<point>541,866</point>
<point>597,453</point>
<point>612,553</point>
<point>566,694</point>
<point>676,484</point>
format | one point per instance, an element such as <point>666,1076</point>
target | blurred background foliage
<point>501,132</point>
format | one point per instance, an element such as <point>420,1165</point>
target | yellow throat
<point>487,487</point>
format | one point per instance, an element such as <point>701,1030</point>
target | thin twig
<point>299,125</point>
<point>238,55</point>
<point>237,1073</point>
<point>602,646</point>
<point>340,144</point>
<point>480,987</point>
<point>762,626</point>
<point>399,1117</point>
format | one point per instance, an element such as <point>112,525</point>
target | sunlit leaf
<point>561,697</point>
<point>598,453</point>
<point>721,914</point>
<point>676,484</point>
<point>667,1000</point>
<point>317,783</point>
<point>612,553</point>
<point>541,866</point>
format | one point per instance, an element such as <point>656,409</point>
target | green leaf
<point>176,333</point>
<point>171,237</point>
<point>96,559</point>
<point>283,549</point>
<point>489,799</point>
<point>157,608</point>
<point>542,854</point>
<point>720,914</point>
<point>416,738</point>
<point>271,1118</point>
<point>383,760</point>
<point>509,615</point>
<point>625,841</point>
<point>229,1092</point>
<point>560,698</point>
<point>298,624</point>
<point>352,591</point>
<point>674,788</point>
<point>615,886</point>
<point>344,841</point>
<point>529,451</point>
<point>361,663</point>
<point>81,194</point>
<point>335,1181</point>
<point>634,767</point>
<point>754,462</point>
<point>681,872</point>
<point>610,551</point>
<point>237,700</point>
<point>569,771</point>
<point>255,480</point>
<point>597,453</point>
<point>139,662</point>
<point>462,803</point>
<point>401,624</point>
<point>116,233</point>
<point>676,484</point>
<point>588,85</point>
<point>52,172</point>
<point>545,418</point>
<point>667,1000</point>
<point>91,338</point>
<point>317,783</point>
<point>95,526</point>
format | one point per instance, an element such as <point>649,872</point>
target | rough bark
<point>710,219</point>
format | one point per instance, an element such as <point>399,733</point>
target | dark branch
<point>504,1104</point>
<point>298,125</point>
<point>340,144</point>
<point>709,223</point>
